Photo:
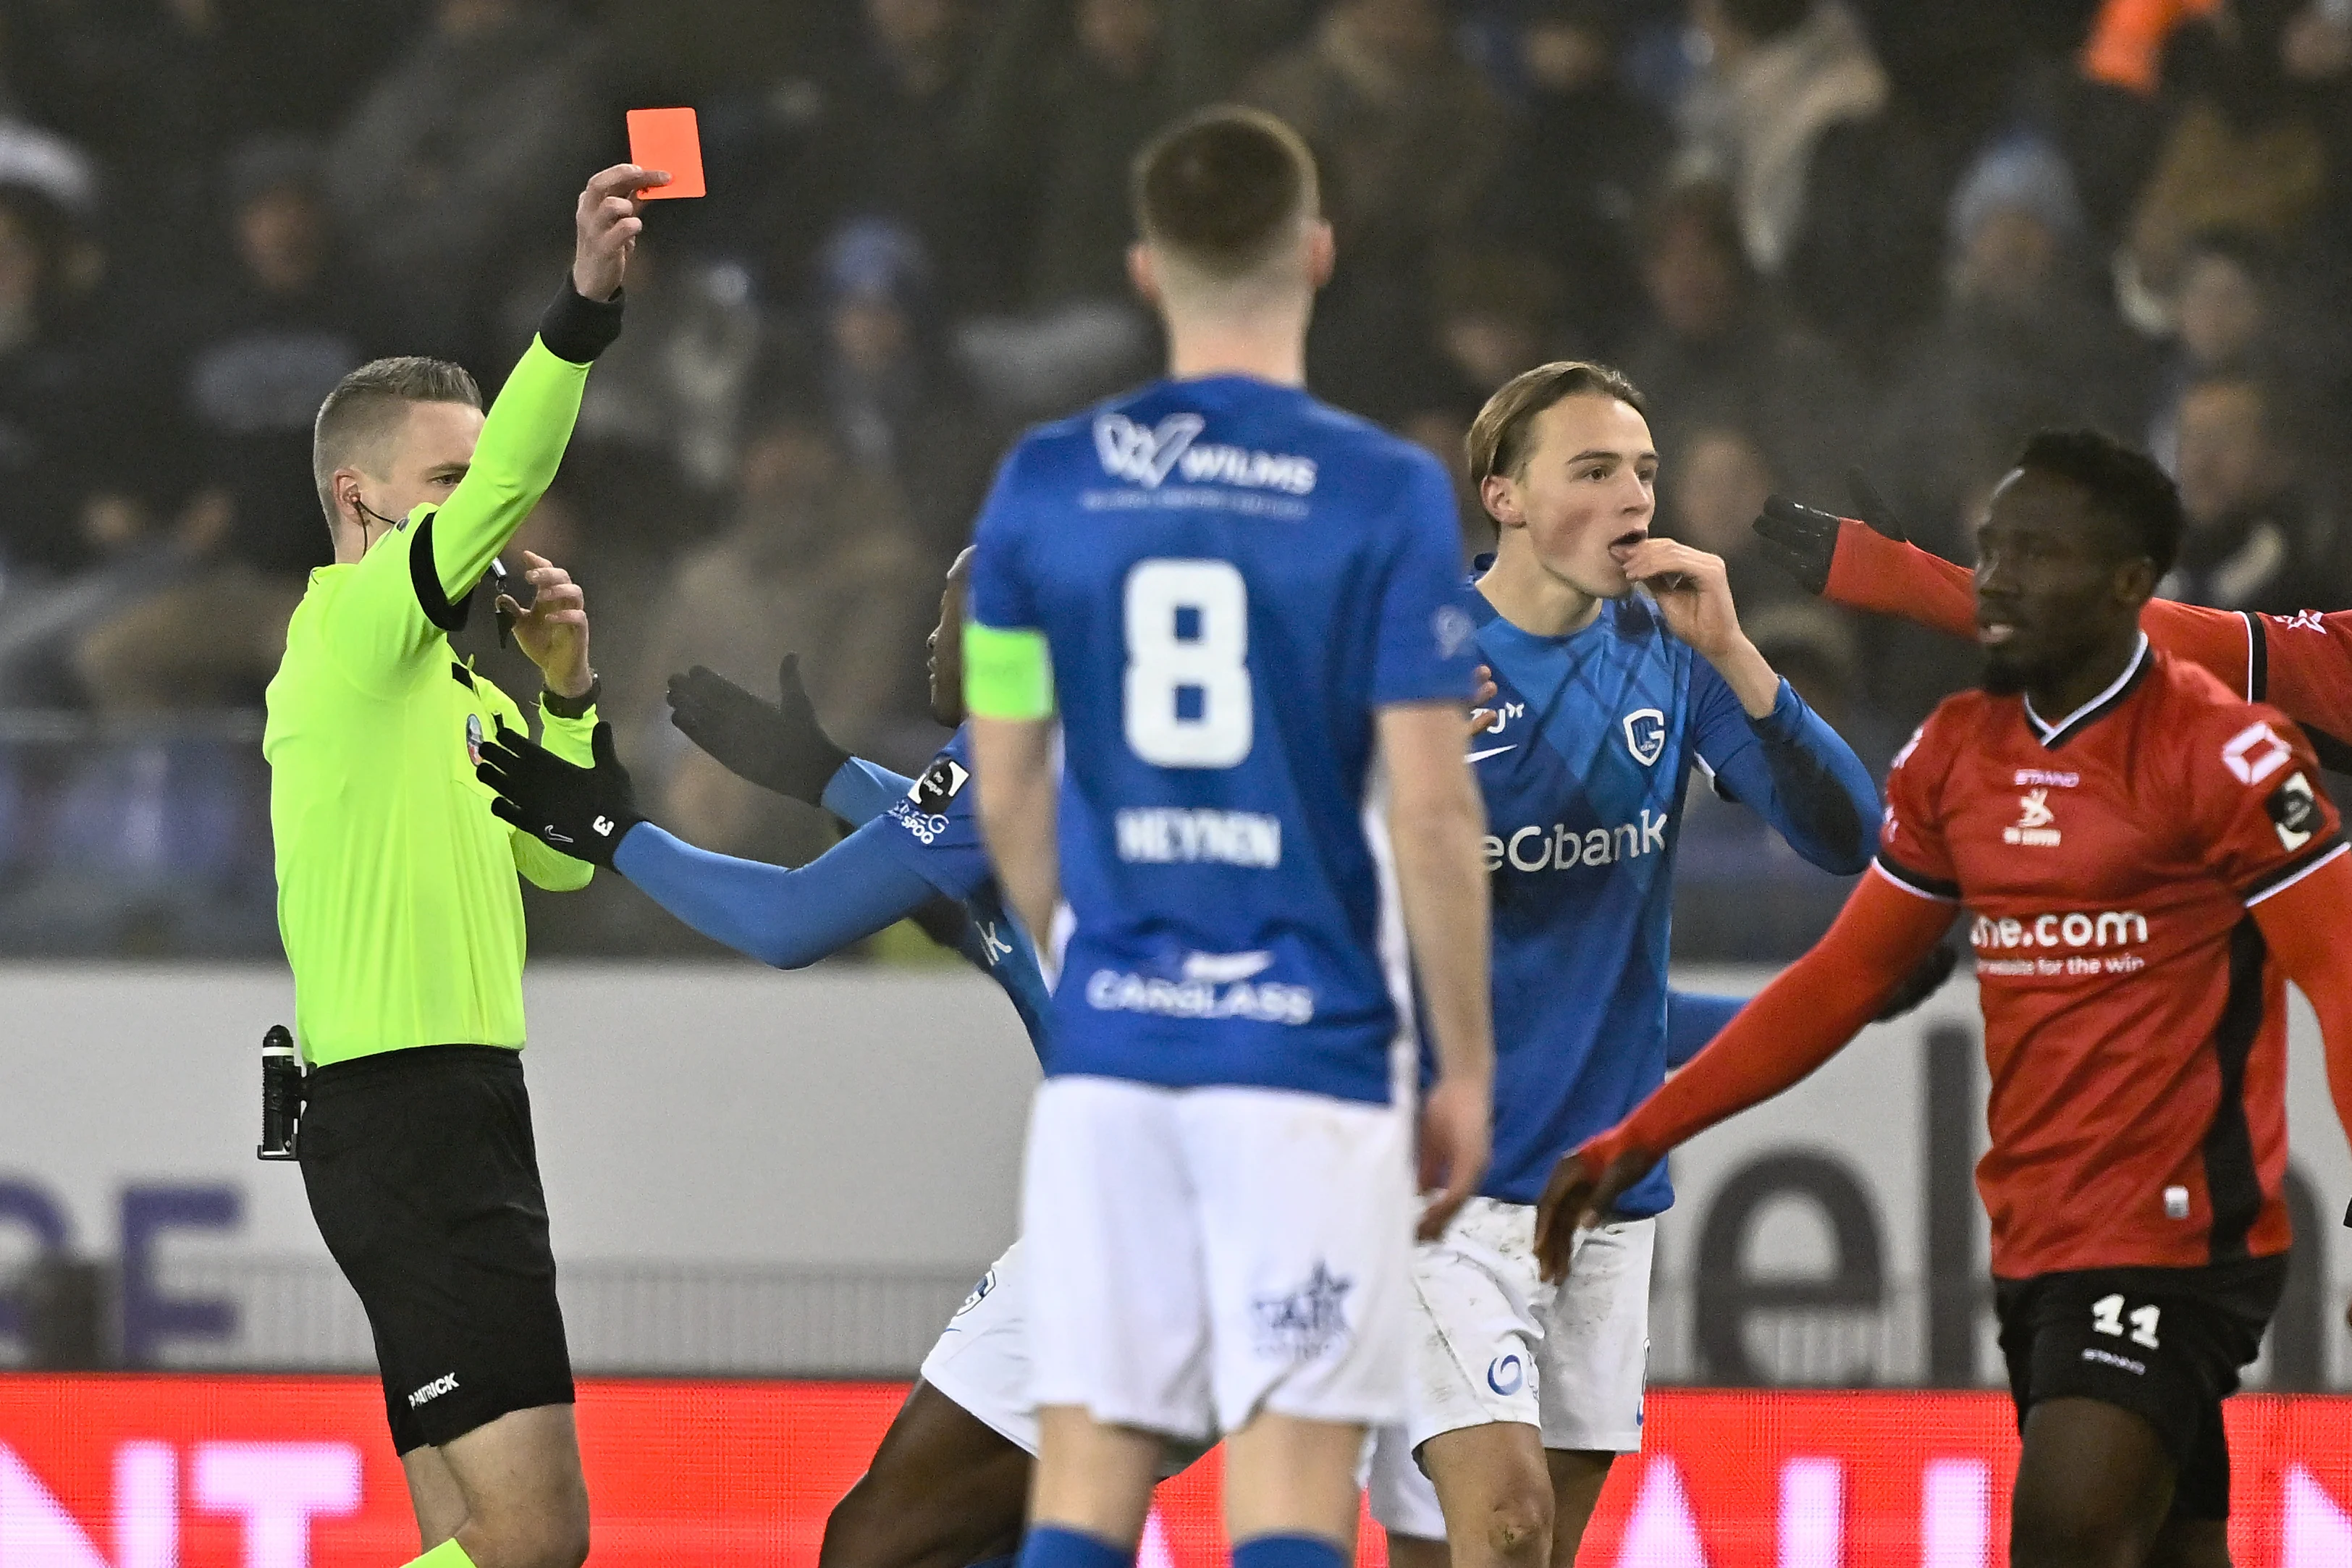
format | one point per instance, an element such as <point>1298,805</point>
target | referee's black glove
<point>1802,541</point>
<point>581,812</point>
<point>777,746</point>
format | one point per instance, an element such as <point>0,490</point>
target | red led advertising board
<point>263,1472</point>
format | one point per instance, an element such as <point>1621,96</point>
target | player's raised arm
<point>1865,563</point>
<point>1775,754</point>
<point>1800,1021</point>
<point>1435,823</point>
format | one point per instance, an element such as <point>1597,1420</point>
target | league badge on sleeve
<point>474,739</point>
<point>941,783</point>
<point>2295,811</point>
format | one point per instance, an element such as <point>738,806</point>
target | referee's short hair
<point>368,406</point>
<point>1498,436</point>
<point>1221,188</point>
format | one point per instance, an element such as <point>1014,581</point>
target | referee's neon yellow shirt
<point>397,897</point>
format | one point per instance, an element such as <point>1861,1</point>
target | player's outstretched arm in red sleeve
<point>1851,562</point>
<point>1796,1023</point>
<point>2305,925</point>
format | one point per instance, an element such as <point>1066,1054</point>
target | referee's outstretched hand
<point>1802,541</point>
<point>778,745</point>
<point>581,812</point>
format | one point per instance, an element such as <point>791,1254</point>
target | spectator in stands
<point>1409,136</point>
<point>1781,73</point>
<point>887,142</point>
<point>1581,164</point>
<point>1714,481</point>
<point>439,165</point>
<point>1066,92</point>
<point>1408,133</point>
<point>1720,350</point>
<point>266,348</point>
<point>2261,136</point>
<point>898,403</point>
<point>1498,313</point>
<point>2026,340</point>
<point>58,425</point>
<point>820,560</point>
<point>2255,541</point>
<point>2224,316</point>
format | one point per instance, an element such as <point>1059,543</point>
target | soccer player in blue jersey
<point>1244,609</point>
<point>949,1484</point>
<point>1621,666</point>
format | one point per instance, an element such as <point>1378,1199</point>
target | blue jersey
<point>931,830</point>
<point>1584,781</point>
<point>1232,579</point>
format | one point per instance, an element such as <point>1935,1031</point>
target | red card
<point>668,139</point>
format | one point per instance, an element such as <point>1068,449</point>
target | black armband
<point>564,706</point>
<point>425,577</point>
<point>578,328</point>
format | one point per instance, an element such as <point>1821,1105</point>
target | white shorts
<point>1401,1498</point>
<point>1199,1255</point>
<point>982,1363</point>
<point>982,1359</point>
<point>1493,1342</point>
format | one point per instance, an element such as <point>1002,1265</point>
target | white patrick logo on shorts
<point>1300,1324</point>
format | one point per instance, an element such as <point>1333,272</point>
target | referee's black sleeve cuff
<point>578,328</point>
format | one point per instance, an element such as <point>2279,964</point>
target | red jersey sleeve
<point>2254,797</point>
<point>2304,667</point>
<point>2224,643</point>
<point>1912,849</point>
<point>1869,571</point>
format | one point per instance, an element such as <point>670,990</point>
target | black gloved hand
<point>1802,541</point>
<point>779,746</point>
<point>1924,981</point>
<point>581,812</point>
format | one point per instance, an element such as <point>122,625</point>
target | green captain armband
<point>1007,674</point>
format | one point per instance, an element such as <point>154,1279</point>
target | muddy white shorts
<point>1195,1256</point>
<point>1493,1342</point>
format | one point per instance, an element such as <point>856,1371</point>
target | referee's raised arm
<point>531,424</point>
<point>402,918</point>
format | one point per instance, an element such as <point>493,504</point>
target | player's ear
<point>1500,496</point>
<point>1143,273</point>
<point>1322,253</point>
<point>2134,580</point>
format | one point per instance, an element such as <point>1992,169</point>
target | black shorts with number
<point>2164,1343</point>
<point>424,1179</point>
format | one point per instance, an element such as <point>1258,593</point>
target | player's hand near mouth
<point>1693,592</point>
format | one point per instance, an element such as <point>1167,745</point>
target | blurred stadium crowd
<point>1818,233</point>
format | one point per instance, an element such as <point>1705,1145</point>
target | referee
<point>403,921</point>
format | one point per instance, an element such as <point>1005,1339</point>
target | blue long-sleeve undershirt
<point>860,791</point>
<point>785,918</point>
<point>1693,1019</point>
<point>1792,769</point>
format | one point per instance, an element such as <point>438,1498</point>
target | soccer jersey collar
<point>2053,736</point>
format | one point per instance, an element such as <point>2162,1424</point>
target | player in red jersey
<point>2148,860</point>
<point>2300,664</point>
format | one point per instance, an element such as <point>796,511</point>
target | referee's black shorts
<point>425,1182</point>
